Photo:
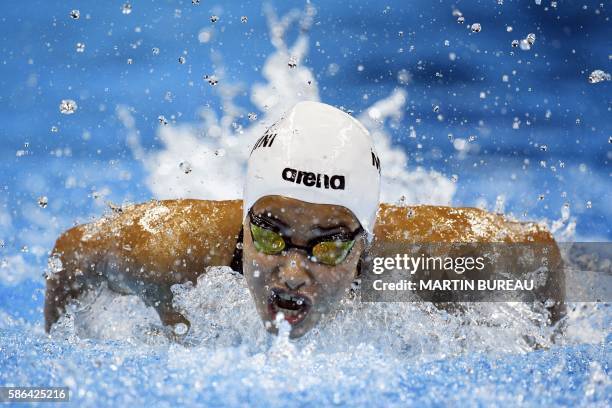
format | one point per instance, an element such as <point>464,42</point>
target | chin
<point>305,326</point>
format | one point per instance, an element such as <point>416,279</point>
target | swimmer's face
<point>292,281</point>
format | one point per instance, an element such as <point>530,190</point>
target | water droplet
<point>130,61</point>
<point>80,47</point>
<point>412,133</point>
<point>454,178</point>
<point>436,108</point>
<point>476,28</point>
<point>540,197</point>
<point>43,201</point>
<point>610,139</point>
<point>244,19</point>
<point>598,76</point>
<point>180,329</point>
<point>538,2</point>
<point>212,80</point>
<point>525,46</point>
<point>457,13</point>
<point>404,77</point>
<point>214,19</point>
<point>25,249</point>
<point>68,106</point>
<point>195,2</point>
<point>162,120</point>
<point>543,147</point>
<point>410,213</point>
<point>181,60</point>
<point>155,51</point>
<point>589,204</point>
<point>185,166</point>
<point>292,62</point>
<point>54,266</point>
<point>54,129</point>
<point>332,69</point>
<point>126,9</point>
<point>515,43</point>
<point>75,14</point>
<point>252,116</point>
<point>531,38</point>
<point>509,29</point>
<point>460,19</point>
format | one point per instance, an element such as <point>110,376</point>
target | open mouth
<point>294,306</point>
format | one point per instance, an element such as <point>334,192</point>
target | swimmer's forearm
<point>143,249</point>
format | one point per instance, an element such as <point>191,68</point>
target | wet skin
<point>145,248</point>
<point>290,282</point>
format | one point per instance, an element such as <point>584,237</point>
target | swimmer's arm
<point>397,226</point>
<point>428,223</point>
<point>144,250</point>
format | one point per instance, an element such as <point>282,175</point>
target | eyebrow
<point>269,221</point>
<point>340,232</point>
<point>341,229</point>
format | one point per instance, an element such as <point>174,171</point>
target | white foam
<point>222,315</point>
<point>217,148</point>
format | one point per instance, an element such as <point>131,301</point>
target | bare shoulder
<point>158,230</point>
<point>397,226</point>
<point>428,223</point>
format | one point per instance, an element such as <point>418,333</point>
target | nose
<point>292,272</point>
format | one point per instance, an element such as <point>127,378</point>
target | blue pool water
<point>367,354</point>
<point>460,118</point>
<point>112,373</point>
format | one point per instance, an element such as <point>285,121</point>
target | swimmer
<point>309,217</point>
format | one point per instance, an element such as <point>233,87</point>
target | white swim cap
<point>318,154</point>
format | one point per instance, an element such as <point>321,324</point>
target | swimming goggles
<point>328,250</point>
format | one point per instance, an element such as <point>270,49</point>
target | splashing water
<point>599,76</point>
<point>222,178</point>
<point>68,106</point>
<point>221,312</point>
<point>112,349</point>
<point>361,352</point>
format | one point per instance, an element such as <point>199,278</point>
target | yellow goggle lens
<point>332,252</point>
<point>267,241</point>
